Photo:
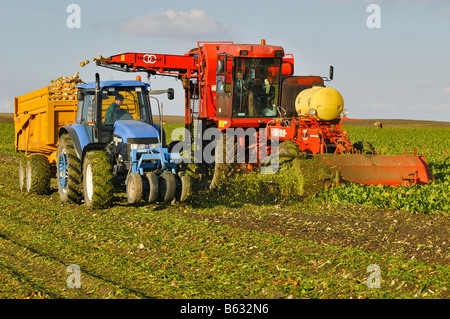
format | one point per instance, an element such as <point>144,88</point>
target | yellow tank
<point>327,102</point>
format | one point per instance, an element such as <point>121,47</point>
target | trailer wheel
<point>68,171</point>
<point>153,187</point>
<point>37,174</point>
<point>184,188</point>
<point>97,180</point>
<point>22,175</point>
<point>167,186</point>
<point>134,188</point>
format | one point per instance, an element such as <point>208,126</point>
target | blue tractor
<point>114,140</point>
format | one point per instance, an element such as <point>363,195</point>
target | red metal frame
<point>310,134</point>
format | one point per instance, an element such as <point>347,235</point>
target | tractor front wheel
<point>153,187</point>
<point>97,180</point>
<point>167,186</point>
<point>184,188</point>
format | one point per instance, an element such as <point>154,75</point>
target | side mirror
<point>331,72</point>
<point>80,95</point>
<point>170,94</point>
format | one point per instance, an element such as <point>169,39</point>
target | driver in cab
<point>114,112</point>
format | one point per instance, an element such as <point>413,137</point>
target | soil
<point>6,117</point>
<point>411,236</point>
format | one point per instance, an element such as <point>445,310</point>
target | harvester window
<point>256,84</point>
<point>224,69</point>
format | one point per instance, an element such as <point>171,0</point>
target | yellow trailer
<point>38,116</point>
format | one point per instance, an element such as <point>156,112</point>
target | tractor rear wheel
<point>97,180</point>
<point>68,171</point>
<point>134,188</point>
<point>153,187</point>
<point>184,188</point>
<point>167,186</point>
<point>37,174</point>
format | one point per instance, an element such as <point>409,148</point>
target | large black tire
<point>37,174</point>
<point>69,169</point>
<point>184,188</point>
<point>152,195</point>
<point>97,180</point>
<point>167,187</point>
<point>134,188</point>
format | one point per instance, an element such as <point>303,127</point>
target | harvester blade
<point>378,169</point>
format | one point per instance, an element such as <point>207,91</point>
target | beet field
<point>344,242</point>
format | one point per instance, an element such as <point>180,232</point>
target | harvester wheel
<point>153,187</point>
<point>97,180</point>
<point>68,171</point>
<point>37,174</point>
<point>22,174</point>
<point>185,187</point>
<point>167,186</point>
<point>134,188</point>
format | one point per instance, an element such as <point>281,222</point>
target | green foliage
<point>284,187</point>
<point>193,250</point>
<point>7,138</point>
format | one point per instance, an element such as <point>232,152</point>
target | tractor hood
<point>132,131</point>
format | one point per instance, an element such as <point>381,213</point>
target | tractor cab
<point>100,108</point>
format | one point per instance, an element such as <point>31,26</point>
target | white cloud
<point>6,105</point>
<point>432,107</point>
<point>446,90</point>
<point>378,106</point>
<point>177,24</point>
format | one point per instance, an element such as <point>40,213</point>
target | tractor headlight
<point>137,146</point>
<point>143,146</point>
<point>345,112</point>
<point>312,112</point>
<point>117,140</point>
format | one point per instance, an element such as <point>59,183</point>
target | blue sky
<point>400,70</point>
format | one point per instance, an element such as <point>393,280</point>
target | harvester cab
<point>114,131</point>
<point>248,85</point>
